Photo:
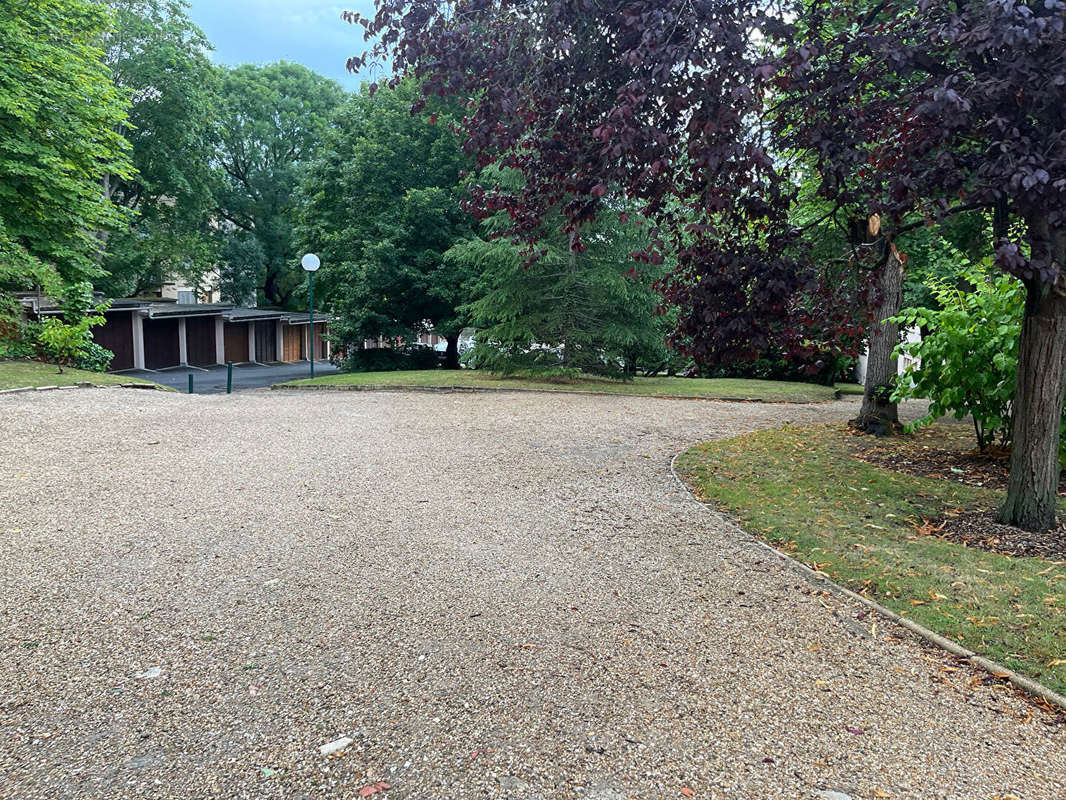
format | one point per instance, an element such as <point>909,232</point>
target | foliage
<point>803,489</point>
<point>271,121</point>
<point>59,120</point>
<point>68,341</point>
<point>940,254</point>
<point>388,359</point>
<point>968,353</point>
<point>18,336</point>
<point>94,358</point>
<point>651,99</point>
<point>572,310</point>
<point>382,205</point>
<point>243,262</point>
<point>158,58</point>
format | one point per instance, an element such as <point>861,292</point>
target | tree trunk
<point>879,415</point>
<point>1032,487</point>
<point>451,355</point>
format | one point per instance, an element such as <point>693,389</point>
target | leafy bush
<point>969,354</point>
<point>389,359</point>
<point>826,369</point>
<point>68,341</point>
<point>18,338</point>
<point>94,358</point>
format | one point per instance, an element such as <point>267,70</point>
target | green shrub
<point>18,338</point>
<point>94,358</point>
<point>67,341</point>
<point>969,354</point>
<point>389,359</point>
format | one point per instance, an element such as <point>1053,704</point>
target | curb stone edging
<point>325,387</point>
<point>84,385</point>
<point>1022,682</point>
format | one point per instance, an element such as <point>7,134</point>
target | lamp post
<point>311,263</point>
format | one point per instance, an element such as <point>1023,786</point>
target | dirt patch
<point>945,450</point>
<point>981,530</point>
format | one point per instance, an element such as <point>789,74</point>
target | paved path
<point>491,595</point>
<point>245,376</point>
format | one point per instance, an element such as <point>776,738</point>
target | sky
<point>309,32</point>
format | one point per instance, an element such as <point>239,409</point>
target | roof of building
<point>186,309</point>
<point>238,314</point>
<point>301,317</point>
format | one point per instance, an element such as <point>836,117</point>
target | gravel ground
<point>490,595</point>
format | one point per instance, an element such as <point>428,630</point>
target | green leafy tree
<point>382,207</point>
<point>60,121</point>
<point>244,261</point>
<point>589,309</point>
<point>158,57</point>
<point>271,122</point>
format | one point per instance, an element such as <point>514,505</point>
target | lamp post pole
<point>311,263</point>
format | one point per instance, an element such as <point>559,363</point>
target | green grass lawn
<point>803,491</point>
<point>710,389</point>
<point>851,389</point>
<point>17,374</point>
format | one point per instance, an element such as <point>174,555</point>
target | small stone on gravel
<point>335,746</point>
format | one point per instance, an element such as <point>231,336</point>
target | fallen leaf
<point>373,788</point>
<point>687,792</point>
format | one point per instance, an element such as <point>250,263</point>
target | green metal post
<point>311,317</point>
<point>229,377</point>
<point>190,383</point>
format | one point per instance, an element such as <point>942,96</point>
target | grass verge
<point>17,374</point>
<point>854,389</point>
<point>803,491</point>
<point>704,388</point>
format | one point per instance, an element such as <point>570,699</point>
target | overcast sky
<point>309,32</point>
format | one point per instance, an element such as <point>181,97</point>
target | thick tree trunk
<point>451,355</point>
<point>879,415</point>
<point>1032,488</point>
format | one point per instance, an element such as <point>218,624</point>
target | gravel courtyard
<point>492,596</point>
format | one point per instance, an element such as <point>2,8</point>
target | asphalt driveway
<point>472,596</point>
<point>212,380</point>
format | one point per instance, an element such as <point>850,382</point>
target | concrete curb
<point>85,385</point>
<point>1022,682</point>
<point>493,390</point>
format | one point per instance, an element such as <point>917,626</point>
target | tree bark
<point>1032,487</point>
<point>879,415</point>
<point>451,355</point>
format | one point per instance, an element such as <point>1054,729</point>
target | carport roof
<point>186,309</point>
<point>251,314</point>
<point>300,317</point>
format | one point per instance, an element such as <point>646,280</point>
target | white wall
<point>911,335</point>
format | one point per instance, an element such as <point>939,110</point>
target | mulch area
<point>946,451</point>
<point>979,529</point>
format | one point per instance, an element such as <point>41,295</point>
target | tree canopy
<point>382,207</point>
<point>271,121</point>
<point>60,120</point>
<point>570,311</point>
<point>158,58</point>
